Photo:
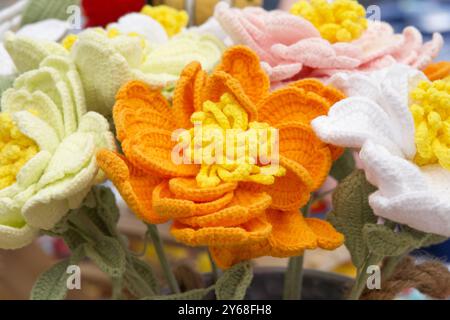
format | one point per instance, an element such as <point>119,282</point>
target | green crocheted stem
<point>362,276</point>
<point>152,231</point>
<point>293,279</point>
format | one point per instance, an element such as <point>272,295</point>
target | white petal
<point>353,121</point>
<point>143,25</point>
<point>49,205</point>
<point>72,154</point>
<point>32,171</point>
<point>38,130</point>
<point>438,180</point>
<point>49,29</point>
<point>419,210</point>
<point>392,175</point>
<point>95,123</point>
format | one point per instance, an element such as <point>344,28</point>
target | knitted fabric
<point>396,123</point>
<point>51,141</point>
<point>173,21</point>
<point>438,70</point>
<point>254,218</point>
<point>291,47</point>
<point>102,12</point>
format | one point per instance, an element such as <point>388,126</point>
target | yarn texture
<point>238,218</point>
<point>48,143</point>
<point>396,116</point>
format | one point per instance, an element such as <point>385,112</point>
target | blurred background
<point>19,269</point>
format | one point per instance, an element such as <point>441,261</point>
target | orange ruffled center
<point>228,147</point>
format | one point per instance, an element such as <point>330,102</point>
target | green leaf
<point>351,212</point>
<point>108,255</point>
<point>233,284</point>
<point>73,239</point>
<point>140,279</point>
<point>196,294</point>
<point>106,207</point>
<point>52,284</point>
<point>38,10</point>
<point>424,239</point>
<point>343,166</point>
<point>386,242</point>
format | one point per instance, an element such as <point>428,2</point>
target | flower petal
<point>220,82</point>
<point>327,237</point>
<point>15,238</point>
<point>138,107</point>
<point>299,143</point>
<point>353,121</point>
<point>290,233</point>
<point>438,70</point>
<point>331,94</point>
<point>167,205</point>
<point>251,232</point>
<point>135,186</point>
<point>291,105</point>
<point>243,65</point>
<point>226,257</point>
<point>187,97</point>
<point>153,150</point>
<point>245,206</point>
<point>289,192</point>
<point>188,189</point>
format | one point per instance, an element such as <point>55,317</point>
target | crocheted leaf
<point>426,239</point>
<point>385,242</point>
<point>140,279</point>
<point>5,83</point>
<point>108,255</point>
<point>38,10</point>
<point>343,166</point>
<point>52,284</point>
<point>351,212</point>
<point>105,208</point>
<point>196,294</point>
<point>233,284</point>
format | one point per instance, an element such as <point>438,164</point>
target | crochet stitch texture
<point>238,220</point>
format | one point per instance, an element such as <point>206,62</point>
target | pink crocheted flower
<point>291,47</point>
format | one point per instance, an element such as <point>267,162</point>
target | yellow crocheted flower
<point>431,111</point>
<point>232,208</point>
<point>171,19</point>
<point>337,21</point>
<point>48,143</point>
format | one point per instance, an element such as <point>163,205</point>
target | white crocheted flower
<point>48,144</point>
<point>399,120</point>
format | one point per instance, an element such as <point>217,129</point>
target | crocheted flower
<point>107,60</point>
<point>400,120</point>
<point>48,144</point>
<point>173,21</point>
<point>291,47</point>
<point>240,209</point>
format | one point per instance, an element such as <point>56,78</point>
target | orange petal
<point>290,105</point>
<point>226,257</point>
<point>220,82</point>
<point>253,231</point>
<point>290,233</point>
<point>299,143</point>
<point>336,152</point>
<point>134,185</point>
<point>438,70</point>
<point>246,205</point>
<point>243,64</point>
<point>166,204</point>
<point>327,237</point>
<point>188,189</point>
<point>137,107</point>
<point>187,97</point>
<point>332,95</point>
<point>151,150</point>
<point>289,192</point>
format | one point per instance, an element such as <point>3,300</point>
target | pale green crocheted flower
<point>48,106</point>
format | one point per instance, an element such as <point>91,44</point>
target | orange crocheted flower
<point>238,214</point>
<point>438,70</point>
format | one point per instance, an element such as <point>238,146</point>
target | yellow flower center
<point>172,20</point>
<point>430,107</point>
<point>15,150</point>
<point>338,21</point>
<point>229,148</point>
